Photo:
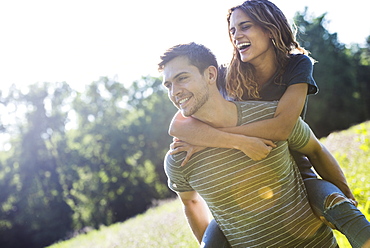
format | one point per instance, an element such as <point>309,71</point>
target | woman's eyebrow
<point>245,22</point>
<point>240,24</point>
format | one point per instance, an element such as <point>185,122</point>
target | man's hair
<point>198,56</point>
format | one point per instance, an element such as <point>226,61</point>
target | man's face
<point>187,87</point>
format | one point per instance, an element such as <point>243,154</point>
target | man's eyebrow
<point>176,76</point>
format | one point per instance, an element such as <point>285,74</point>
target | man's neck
<point>218,113</point>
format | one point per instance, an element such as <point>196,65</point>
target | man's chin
<point>185,113</point>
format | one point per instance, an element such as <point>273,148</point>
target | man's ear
<point>211,74</point>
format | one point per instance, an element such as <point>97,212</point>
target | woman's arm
<point>326,165</point>
<point>288,110</point>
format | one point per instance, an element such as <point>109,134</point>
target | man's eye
<point>167,85</point>
<point>182,78</point>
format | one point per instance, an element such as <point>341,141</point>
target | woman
<point>264,67</point>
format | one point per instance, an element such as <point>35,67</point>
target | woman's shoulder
<point>299,62</point>
<point>300,58</point>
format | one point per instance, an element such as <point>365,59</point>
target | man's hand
<point>181,146</point>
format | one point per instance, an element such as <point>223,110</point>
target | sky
<point>79,41</point>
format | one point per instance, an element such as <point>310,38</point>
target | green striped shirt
<point>256,203</point>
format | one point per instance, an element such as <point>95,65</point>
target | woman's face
<point>251,40</point>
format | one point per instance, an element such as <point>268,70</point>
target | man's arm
<point>196,211</point>
<point>325,164</point>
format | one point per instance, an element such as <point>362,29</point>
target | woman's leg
<point>331,206</point>
<point>214,237</point>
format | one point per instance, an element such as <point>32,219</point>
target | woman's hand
<point>255,148</point>
<point>181,146</point>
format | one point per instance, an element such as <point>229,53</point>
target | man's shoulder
<point>257,103</point>
<point>256,106</point>
<point>251,111</point>
<point>174,159</point>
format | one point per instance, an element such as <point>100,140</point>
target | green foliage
<point>351,149</point>
<point>342,77</point>
<point>105,167</point>
<point>31,198</point>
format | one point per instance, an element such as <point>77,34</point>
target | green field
<point>165,225</point>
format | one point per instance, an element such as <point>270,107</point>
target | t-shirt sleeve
<point>177,181</point>
<point>300,71</point>
<point>300,135</point>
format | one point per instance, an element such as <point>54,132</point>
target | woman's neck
<point>265,73</point>
<point>265,69</point>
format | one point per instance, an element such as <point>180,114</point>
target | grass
<point>166,226</point>
<point>162,226</point>
<point>351,148</point>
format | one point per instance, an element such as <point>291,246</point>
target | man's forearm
<point>198,217</point>
<point>198,223</point>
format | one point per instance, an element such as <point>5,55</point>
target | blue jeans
<point>214,237</point>
<point>344,216</point>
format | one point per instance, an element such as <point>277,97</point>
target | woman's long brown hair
<point>240,77</point>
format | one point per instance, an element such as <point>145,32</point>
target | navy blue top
<point>298,70</point>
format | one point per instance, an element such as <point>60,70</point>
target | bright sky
<point>77,41</point>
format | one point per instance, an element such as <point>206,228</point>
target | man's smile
<point>183,100</point>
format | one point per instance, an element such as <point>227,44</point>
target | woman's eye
<point>246,27</point>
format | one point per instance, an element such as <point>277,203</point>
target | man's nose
<point>175,90</point>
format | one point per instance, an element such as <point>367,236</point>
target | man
<point>255,203</point>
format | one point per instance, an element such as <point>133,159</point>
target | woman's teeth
<point>244,45</point>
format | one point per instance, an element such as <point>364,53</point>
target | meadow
<point>165,225</point>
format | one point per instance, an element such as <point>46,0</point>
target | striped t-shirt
<point>256,203</point>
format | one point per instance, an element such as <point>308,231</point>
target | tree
<point>120,142</point>
<point>35,208</point>
<point>361,56</point>
<point>81,159</point>
<point>337,105</point>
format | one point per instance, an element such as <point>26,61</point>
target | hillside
<point>165,225</point>
<point>161,226</point>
